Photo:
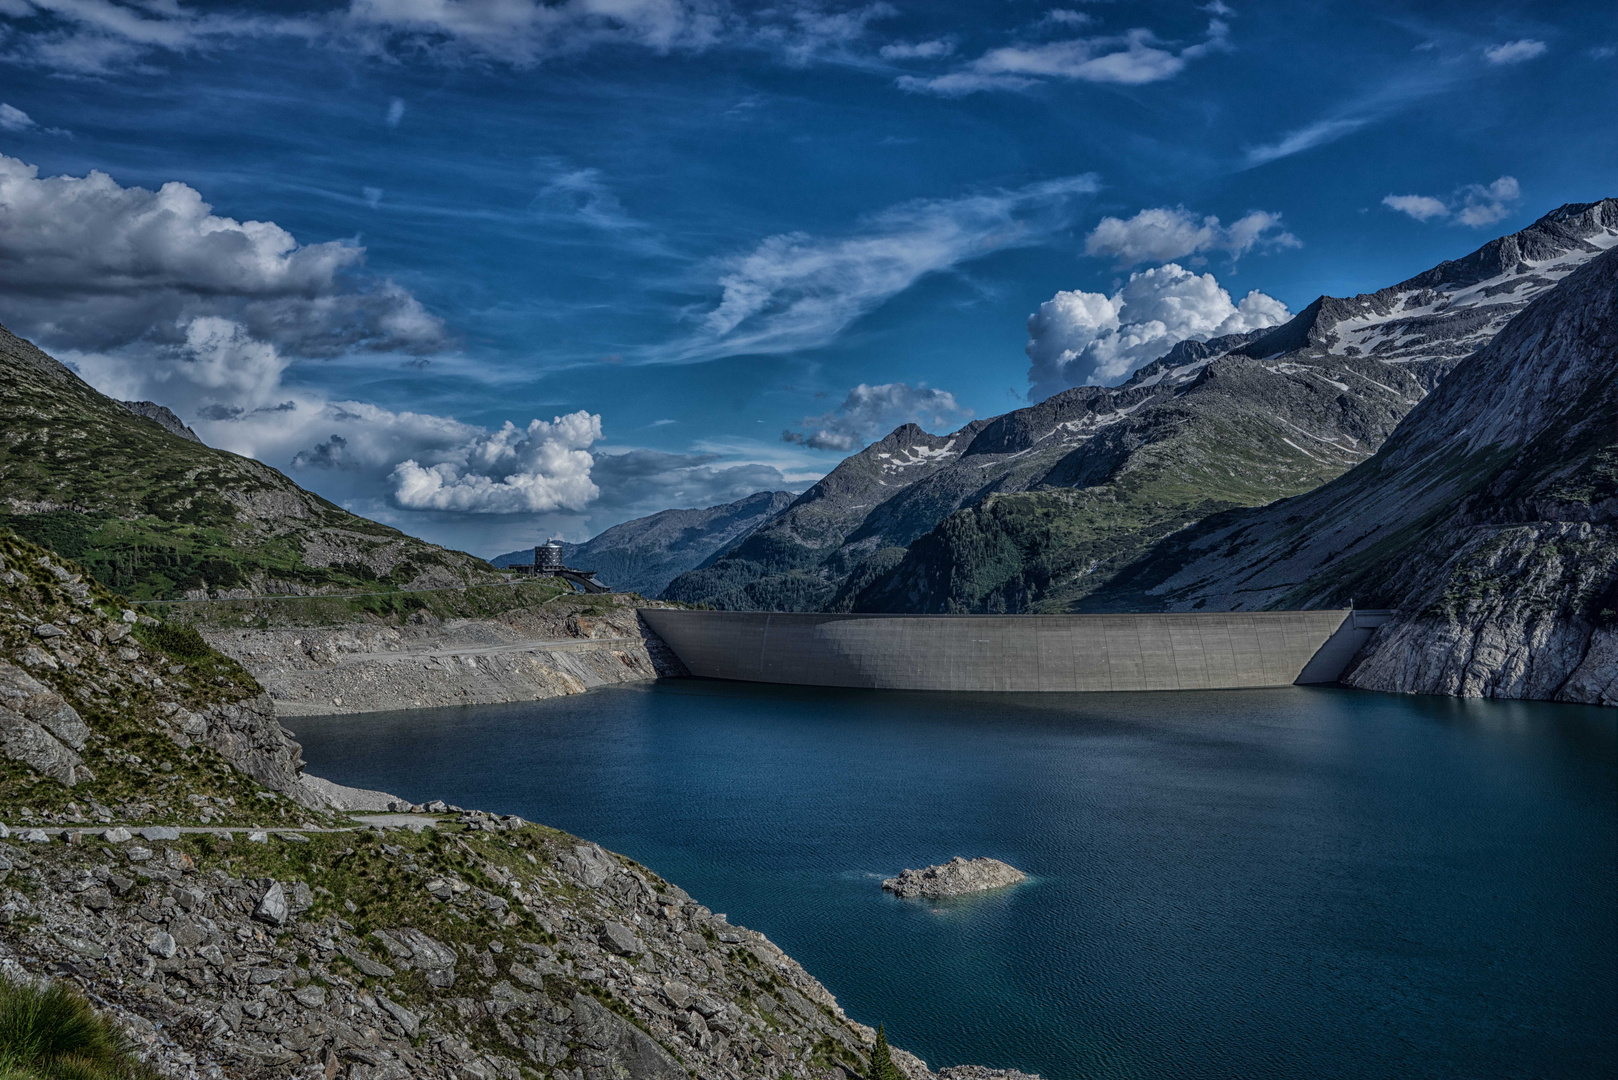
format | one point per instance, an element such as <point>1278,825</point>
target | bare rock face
<point>39,729</point>
<point>957,877</point>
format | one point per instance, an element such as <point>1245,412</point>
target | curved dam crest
<point>1001,653</point>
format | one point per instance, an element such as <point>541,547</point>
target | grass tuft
<point>50,1032</point>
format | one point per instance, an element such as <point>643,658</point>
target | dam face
<point>1195,651</point>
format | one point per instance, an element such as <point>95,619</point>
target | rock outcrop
<point>214,961</point>
<point>958,877</point>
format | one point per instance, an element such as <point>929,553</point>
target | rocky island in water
<point>958,877</point>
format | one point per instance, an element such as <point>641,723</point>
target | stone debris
<point>220,976</point>
<point>958,877</point>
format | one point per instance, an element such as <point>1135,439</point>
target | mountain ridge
<point>644,554</point>
<point>1048,548</point>
<point>156,514</point>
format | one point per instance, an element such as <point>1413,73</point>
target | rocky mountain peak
<point>1573,229</point>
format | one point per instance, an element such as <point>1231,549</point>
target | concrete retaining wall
<point>1013,652</point>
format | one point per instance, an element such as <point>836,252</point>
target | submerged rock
<point>955,878</point>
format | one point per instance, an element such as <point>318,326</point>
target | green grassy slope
<point>154,515</point>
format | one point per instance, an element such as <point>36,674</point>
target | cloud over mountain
<point>1081,338</point>
<point>543,467</point>
<point>869,412</point>
<point>1164,233</point>
<point>1476,205</point>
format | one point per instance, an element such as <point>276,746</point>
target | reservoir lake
<point>1287,883</point>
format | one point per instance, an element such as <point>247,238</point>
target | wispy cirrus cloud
<point>935,49</point>
<point>1130,59</point>
<point>98,37</point>
<point>1514,52</point>
<point>1307,137</point>
<point>797,291</point>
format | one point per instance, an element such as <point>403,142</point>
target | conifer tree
<point>882,1066</point>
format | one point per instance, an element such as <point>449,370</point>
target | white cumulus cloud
<point>1476,205</point>
<point>872,411</point>
<point>1128,59</point>
<point>1082,338</point>
<point>1164,233</point>
<point>90,264</point>
<point>1514,52</point>
<point>543,467</point>
<point>796,291</point>
<point>1420,207</point>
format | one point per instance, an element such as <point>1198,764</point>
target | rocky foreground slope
<point>152,512</point>
<point>1489,520</point>
<point>1036,509</point>
<point>163,851</point>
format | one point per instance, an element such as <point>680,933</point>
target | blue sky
<point>711,247</point>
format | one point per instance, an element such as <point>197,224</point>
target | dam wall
<point>1053,653</point>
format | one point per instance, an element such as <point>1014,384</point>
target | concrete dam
<point>1051,653</point>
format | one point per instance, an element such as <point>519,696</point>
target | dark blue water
<point>1282,883</point>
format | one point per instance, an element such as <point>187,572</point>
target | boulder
<point>40,730</point>
<point>620,939</point>
<point>272,906</point>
